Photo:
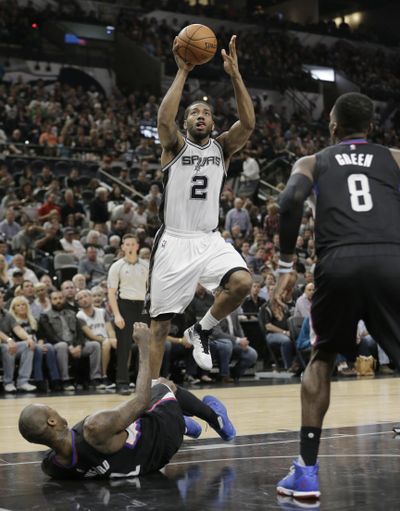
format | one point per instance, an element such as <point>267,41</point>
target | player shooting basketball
<point>188,248</point>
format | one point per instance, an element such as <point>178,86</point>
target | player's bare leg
<point>159,331</point>
<point>315,389</point>
<point>315,398</point>
<point>227,299</point>
<point>232,294</point>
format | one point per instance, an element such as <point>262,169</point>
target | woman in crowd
<point>21,311</point>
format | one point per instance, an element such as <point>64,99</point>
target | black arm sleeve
<point>291,203</point>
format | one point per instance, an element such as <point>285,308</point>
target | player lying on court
<point>134,438</point>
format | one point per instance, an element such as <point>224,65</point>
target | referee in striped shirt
<point>126,282</point>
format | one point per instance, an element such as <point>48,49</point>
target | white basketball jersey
<point>192,187</point>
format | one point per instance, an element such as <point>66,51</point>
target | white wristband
<point>285,264</point>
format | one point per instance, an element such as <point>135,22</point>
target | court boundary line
<point>226,446</point>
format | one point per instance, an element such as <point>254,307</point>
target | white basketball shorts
<point>180,262</point>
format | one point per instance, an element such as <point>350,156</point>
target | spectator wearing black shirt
<point>50,241</point>
<point>98,207</point>
<point>252,304</point>
<point>72,208</point>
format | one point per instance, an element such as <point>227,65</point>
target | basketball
<point>197,44</point>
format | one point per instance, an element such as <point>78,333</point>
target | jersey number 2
<point>360,197</point>
<point>199,188</point>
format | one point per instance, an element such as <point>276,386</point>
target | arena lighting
<point>325,74</point>
<point>205,98</point>
<point>34,25</point>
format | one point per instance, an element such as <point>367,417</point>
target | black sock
<point>191,405</point>
<point>309,444</point>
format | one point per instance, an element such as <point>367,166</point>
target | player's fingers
<point>223,54</point>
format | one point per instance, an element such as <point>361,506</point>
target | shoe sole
<point>228,439</point>
<point>298,495</point>
<point>188,336</point>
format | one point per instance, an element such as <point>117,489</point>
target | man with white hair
<point>124,212</point>
<point>18,262</point>
<point>98,206</point>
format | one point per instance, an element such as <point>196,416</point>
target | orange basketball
<point>197,44</point>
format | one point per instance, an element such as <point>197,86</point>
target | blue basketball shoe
<point>301,482</point>
<point>193,428</point>
<point>226,429</point>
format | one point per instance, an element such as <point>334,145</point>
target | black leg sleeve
<point>191,405</point>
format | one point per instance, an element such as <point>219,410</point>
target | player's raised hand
<point>186,66</point>
<point>141,335</point>
<point>230,59</point>
<point>278,296</point>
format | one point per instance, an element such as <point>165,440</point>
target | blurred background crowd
<point>79,168</point>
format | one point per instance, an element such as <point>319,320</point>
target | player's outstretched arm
<point>170,137</point>
<point>291,203</point>
<point>240,132</point>
<point>105,430</point>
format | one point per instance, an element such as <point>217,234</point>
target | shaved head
<point>33,423</point>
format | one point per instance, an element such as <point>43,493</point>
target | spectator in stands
<point>17,277</point>
<point>245,251</point>
<point>72,208</point>
<point>367,346</point>
<point>4,277</point>
<point>70,245</point>
<point>252,304</point>
<point>119,228</point>
<point>68,291</point>
<point>42,299</point>
<point>238,216</point>
<point>258,261</point>
<point>28,292</point>
<point>144,253</point>
<point>271,221</point>
<point>278,335</point>
<point>11,349</point>
<point>114,245</point>
<point>26,237</point>
<point>303,303</point>
<point>72,182</point>
<point>46,280</point>
<point>9,227</point>
<point>48,206</point>
<point>49,242</point>
<point>99,297</point>
<point>79,281</point>
<point>141,183</point>
<point>98,207</point>
<point>21,311</point>
<point>154,195</point>
<point>100,328</point>
<point>61,327</point>
<point>250,175</point>
<point>18,262</point>
<point>91,267</point>
<point>230,329</point>
<point>124,212</point>
<point>140,216</point>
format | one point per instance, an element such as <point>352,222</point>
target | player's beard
<point>197,136</point>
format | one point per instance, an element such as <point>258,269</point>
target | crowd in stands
<point>274,58</point>
<point>269,56</point>
<point>55,208</point>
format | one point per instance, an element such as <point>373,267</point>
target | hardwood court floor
<point>359,456</point>
<point>253,409</point>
